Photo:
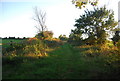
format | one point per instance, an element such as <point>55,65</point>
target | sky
<point>16,16</point>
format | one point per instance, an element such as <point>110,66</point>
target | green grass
<point>66,62</point>
<point>6,42</point>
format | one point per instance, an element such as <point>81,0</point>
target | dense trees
<point>95,25</point>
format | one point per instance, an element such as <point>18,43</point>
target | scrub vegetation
<point>73,57</point>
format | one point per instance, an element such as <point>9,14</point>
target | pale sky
<point>16,16</point>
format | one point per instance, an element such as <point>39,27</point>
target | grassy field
<point>66,62</point>
<point>6,42</point>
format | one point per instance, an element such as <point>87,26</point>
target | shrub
<point>31,39</point>
<point>35,47</point>
<point>90,40</point>
<point>45,35</point>
<point>31,46</point>
<point>53,43</point>
<point>116,37</point>
<point>118,45</point>
<point>63,37</point>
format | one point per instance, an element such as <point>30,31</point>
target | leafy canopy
<point>83,3</point>
<point>95,23</point>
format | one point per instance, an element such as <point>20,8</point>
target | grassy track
<point>65,62</point>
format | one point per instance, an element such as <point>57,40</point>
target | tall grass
<point>66,62</point>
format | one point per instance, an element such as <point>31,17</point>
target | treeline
<point>14,38</point>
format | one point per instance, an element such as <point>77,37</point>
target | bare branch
<point>40,18</point>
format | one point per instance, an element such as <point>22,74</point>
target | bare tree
<point>40,18</point>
